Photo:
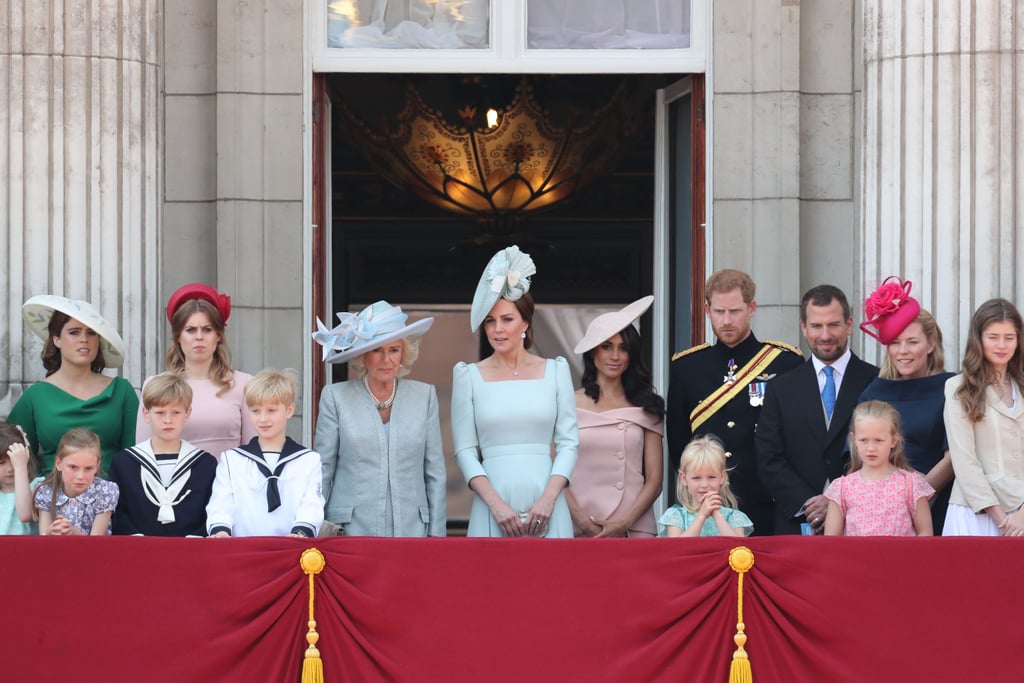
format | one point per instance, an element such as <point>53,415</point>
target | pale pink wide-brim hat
<point>607,325</point>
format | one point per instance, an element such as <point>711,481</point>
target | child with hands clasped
<point>707,506</point>
<point>271,485</point>
<point>16,514</point>
<point>882,495</point>
<point>73,500</point>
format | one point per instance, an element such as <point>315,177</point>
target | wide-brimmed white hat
<point>506,276</point>
<point>607,325</point>
<point>38,311</point>
<point>378,324</point>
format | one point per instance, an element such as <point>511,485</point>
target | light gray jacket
<point>365,474</point>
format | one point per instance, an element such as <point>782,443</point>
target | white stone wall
<point>785,82</point>
<point>79,171</point>
<point>943,170</point>
<point>234,169</point>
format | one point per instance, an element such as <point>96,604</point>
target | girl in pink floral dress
<point>882,495</point>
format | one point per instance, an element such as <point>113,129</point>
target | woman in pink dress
<point>621,420</point>
<point>199,352</point>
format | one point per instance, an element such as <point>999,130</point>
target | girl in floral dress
<point>882,495</point>
<point>72,500</point>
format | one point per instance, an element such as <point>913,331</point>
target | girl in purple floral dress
<point>73,501</point>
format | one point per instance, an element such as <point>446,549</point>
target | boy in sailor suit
<point>165,482</point>
<point>271,485</point>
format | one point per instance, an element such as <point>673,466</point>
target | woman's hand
<point>508,519</point>
<point>538,515</point>
<point>1013,524</point>
<point>612,528</point>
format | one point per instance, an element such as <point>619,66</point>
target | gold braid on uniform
<point>692,349</point>
<point>784,345</point>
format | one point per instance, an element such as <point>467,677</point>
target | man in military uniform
<point>719,388</point>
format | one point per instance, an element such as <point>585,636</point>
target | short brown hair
<point>727,280</point>
<point>166,389</point>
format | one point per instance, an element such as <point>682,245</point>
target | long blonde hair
<point>704,451</point>
<point>878,410</point>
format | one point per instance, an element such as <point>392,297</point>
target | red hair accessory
<point>889,309</point>
<point>196,290</point>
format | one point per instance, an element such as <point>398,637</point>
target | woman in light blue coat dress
<point>379,437</point>
<point>509,409</point>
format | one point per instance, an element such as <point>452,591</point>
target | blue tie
<point>828,394</point>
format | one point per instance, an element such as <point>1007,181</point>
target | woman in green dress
<point>77,345</point>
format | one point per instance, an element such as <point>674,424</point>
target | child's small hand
<point>220,534</point>
<point>295,535</point>
<point>60,527</point>
<point>710,503</point>
<point>18,454</point>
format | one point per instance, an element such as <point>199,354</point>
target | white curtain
<point>557,329</point>
<point>551,24</point>
<point>608,24</point>
<point>429,24</point>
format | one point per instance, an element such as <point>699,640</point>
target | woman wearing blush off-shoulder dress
<point>621,419</point>
<point>508,410</point>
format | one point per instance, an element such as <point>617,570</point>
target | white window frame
<point>508,52</point>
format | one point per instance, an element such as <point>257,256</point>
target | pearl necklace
<point>382,405</point>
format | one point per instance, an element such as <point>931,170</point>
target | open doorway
<point>594,251</point>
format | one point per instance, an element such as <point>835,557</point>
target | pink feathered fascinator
<point>889,309</point>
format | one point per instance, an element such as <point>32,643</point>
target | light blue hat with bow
<point>378,324</point>
<point>506,276</point>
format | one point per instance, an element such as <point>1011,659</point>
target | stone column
<point>79,181</point>
<point>943,172</point>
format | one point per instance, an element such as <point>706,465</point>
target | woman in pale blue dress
<point>508,410</point>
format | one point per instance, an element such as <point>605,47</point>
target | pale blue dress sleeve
<point>671,517</point>
<point>737,519</point>
<point>567,434</point>
<point>464,434</point>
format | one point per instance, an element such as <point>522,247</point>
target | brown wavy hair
<point>976,370</point>
<point>936,359</point>
<point>220,370</point>
<point>51,352</point>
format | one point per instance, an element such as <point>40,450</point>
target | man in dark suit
<point>802,435</point>
<point>718,389</point>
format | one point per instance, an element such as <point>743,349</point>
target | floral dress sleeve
<point>671,517</point>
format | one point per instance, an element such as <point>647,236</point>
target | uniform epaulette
<point>784,345</point>
<point>690,350</point>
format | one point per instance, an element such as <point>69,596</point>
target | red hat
<point>889,309</point>
<point>196,290</point>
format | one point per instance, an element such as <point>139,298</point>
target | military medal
<point>731,377</point>
<point>756,393</point>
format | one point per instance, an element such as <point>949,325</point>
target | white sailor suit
<point>257,494</point>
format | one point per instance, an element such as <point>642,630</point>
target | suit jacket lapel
<point>997,404</point>
<point>815,413</point>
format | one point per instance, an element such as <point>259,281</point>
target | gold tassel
<point>741,559</point>
<point>312,562</point>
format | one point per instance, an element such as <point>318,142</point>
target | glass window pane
<point>608,24</point>
<point>422,24</point>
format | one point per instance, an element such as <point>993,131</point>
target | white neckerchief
<point>165,497</point>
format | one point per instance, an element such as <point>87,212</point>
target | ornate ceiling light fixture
<point>495,164</point>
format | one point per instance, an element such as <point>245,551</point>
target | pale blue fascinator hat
<point>378,324</point>
<point>506,276</point>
